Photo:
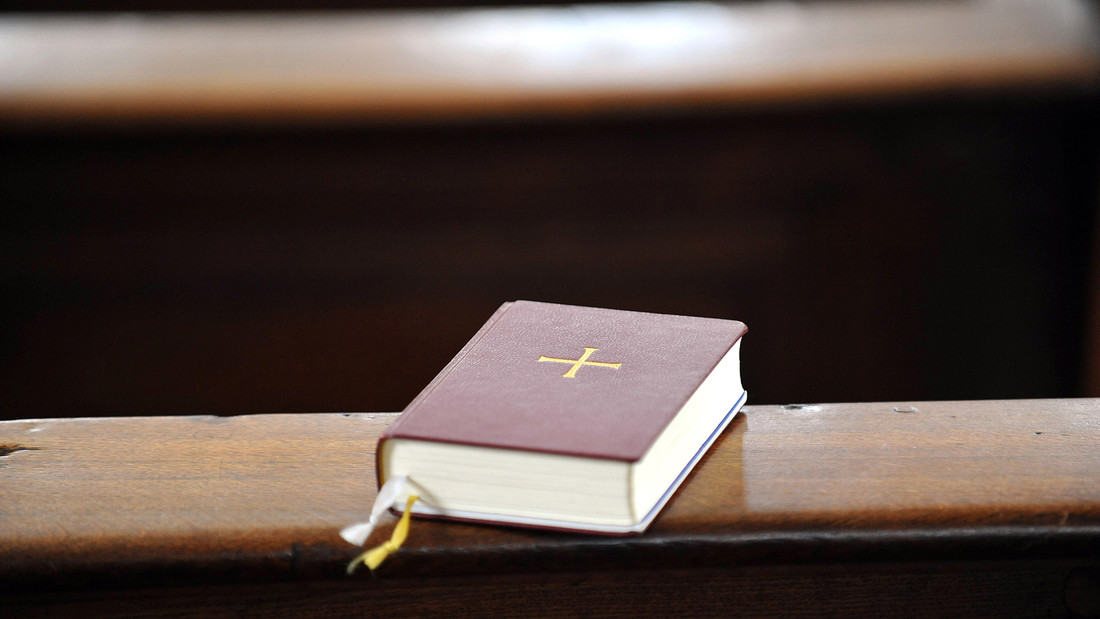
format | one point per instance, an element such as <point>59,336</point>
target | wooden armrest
<point>975,506</point>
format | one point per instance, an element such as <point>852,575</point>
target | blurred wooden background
<point>294,212</point>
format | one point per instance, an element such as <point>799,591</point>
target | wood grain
<point>523,61</point>
<point>1003,489</point>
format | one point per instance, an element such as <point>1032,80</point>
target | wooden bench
<point>885,509</point>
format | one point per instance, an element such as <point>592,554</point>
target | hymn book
<point>567,417</point>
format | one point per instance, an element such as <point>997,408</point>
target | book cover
<point>581,382</point>
<point>508,387</point>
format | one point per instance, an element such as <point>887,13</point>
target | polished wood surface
<point>957,495</point>
<point>384,66</point>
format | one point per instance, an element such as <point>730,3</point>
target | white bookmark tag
<point>359,533</point>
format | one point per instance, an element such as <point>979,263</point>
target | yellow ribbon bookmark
<point>375,556</point>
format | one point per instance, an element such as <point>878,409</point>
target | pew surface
<point>987,508</point>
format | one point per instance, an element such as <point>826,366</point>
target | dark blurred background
<point>925,242</point>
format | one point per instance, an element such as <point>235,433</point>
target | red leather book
<point>567,417</point>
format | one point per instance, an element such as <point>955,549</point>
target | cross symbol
<point>577,363</point>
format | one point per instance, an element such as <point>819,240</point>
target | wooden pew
<point>985,508</point>
<point>278,213</point>
<point>386,66</point>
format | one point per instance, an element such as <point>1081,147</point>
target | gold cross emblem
<point>577,363</point>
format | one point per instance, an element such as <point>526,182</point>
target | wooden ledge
<point>472,63</point>
<point>119,503</point>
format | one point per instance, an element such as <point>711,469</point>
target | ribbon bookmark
<point>358,533</point>
<point>375,556</point>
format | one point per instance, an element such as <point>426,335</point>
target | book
<point>567,417</point>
